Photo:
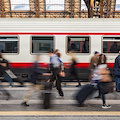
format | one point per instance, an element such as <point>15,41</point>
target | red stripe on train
<point>27,65</point>
<point>37,33</point>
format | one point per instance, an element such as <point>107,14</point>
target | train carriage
<point>22,39</point>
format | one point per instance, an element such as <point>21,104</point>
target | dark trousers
<point>101,93</point>
<point>74,73</point>
<point>57,77</point>
<point>117,81</point>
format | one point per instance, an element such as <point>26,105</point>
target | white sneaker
<point>106,106</point>
<point>59,97</point>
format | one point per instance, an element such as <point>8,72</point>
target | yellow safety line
<point>55,113</point>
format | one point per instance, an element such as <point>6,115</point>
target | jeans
<point>9,79</point>
<point>101,93</point>
<point>117,81</point>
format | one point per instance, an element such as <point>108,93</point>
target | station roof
<point>58,8</point>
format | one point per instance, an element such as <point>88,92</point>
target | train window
<point>8,44</point>
<point>78,44</point>
<point>111,44</point>
<point>41,44</point>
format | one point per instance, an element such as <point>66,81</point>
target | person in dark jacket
<point>35,72</point>
<point>4,66</point>
<point>117,66</point>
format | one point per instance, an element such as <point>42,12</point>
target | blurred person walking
<point>102,79</point>
<point>5,68</point>
<point>2,72</point>
<point>57,70</point>
<point>35,72</point>
<point>94,61</point>
<point>92,65</point>
<point>116,69</point>
<point>73,69</point>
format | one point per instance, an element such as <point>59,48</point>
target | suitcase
<point>84,93</point>
<point>47,95</point>
<point>46,99</point>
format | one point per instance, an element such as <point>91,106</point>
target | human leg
<point>117,81</point>
<point>103,97</point>
<point>9,79</point>
<point>58,83</point>
<point>5,92</point>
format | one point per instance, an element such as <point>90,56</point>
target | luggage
<point>47,95</point>
<point>46,99</point>
<point>84,93</point>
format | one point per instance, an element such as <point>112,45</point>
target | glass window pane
<point>117,7</point>
<point>78,44</point>
<point>54,7</point>
<point>42,44</point>
<point>8,45</point>
<point>83,5</point>
<point>19,1</point>
<point>111,44</point>
<point>55,1</point>
<point>20,5</point>
<point>55,4</point>
<point>117,1</point>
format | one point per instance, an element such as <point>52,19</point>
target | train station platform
<point>66,108</point>
<point>69,90</point>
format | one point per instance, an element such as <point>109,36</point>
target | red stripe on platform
<point>48,33</point>
<point>27,65</point>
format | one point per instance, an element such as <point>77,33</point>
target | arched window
<point>55,4</point>
<point>20,5</point>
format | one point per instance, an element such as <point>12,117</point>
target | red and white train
<point>22,39</point>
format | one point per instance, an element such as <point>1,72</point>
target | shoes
<point>81,105</point>
<point>78,85</point>
<point>59,97</point>
<point>106,106</point>
<point>24,104</point>
<point>98,96</point>
<point>117,90</point>
<point>10,86</point>
<point>8,97</point>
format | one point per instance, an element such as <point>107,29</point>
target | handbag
<point>106,78</point>
<point>117,72</point>
<point>107,87</point>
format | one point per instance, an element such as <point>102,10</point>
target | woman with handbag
<point>103,80</point>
